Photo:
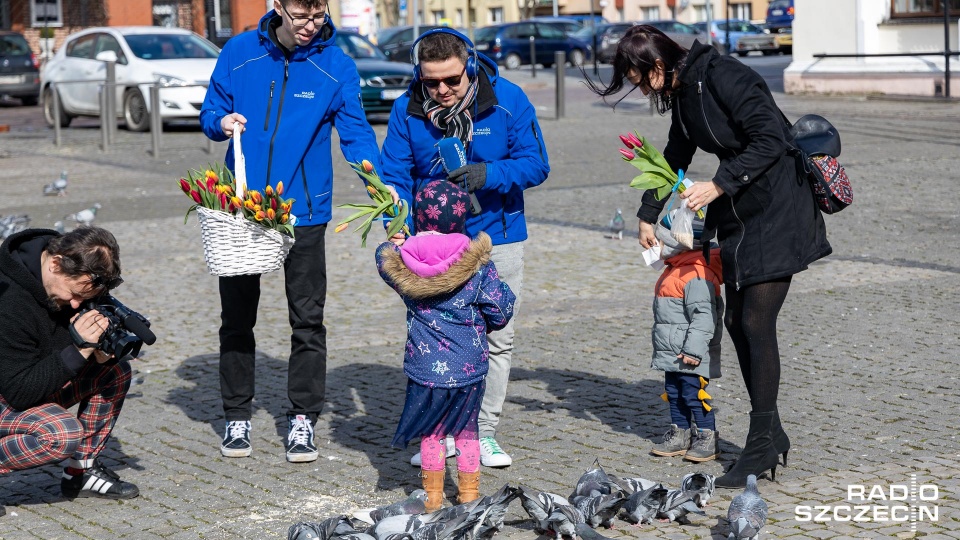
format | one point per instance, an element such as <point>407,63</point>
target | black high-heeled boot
<point>757,456</point>
<point>781,443</point>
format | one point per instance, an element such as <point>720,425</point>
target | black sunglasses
<point>99,282</point>
<point>451,82</point>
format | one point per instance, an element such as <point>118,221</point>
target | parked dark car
<point>396,47</point>
<point>19,69</point>
<point>735,29</point>
<point>381,81</point>
<point>569,26</point>
<point>587,20</point>
<point>684,34</point>
<point>607,35</point>
<point>509,44</point>
<point>779,15</point>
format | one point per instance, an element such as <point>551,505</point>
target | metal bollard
<point>55,95</point>
<point>533,57</point>
<point>560,60</point>
<point>209,144</point>
<point>156,126</point>
<point>104,128</point>
<point>110,88</point>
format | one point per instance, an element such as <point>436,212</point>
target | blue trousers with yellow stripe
<point>687,396</point>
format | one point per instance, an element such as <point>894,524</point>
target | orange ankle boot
<point>433,485</point>
<point>469,484</point>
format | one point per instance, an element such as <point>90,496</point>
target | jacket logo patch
<point>306,95</point>
<point>481,131</point>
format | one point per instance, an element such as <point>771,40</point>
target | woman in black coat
<point>762,212</point>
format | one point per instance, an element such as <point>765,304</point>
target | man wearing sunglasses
<point>457,92</point>
<point>284,85</point>
<point>47,363</point>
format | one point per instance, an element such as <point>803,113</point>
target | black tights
<point>751,320</point>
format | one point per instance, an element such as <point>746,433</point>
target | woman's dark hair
<point>640,48</point>
<point>88,251</point>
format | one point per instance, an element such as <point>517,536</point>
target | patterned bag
<point>817,147</point>
<point>831,187</point>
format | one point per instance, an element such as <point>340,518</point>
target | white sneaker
<point>491,455</point>
<point>416,461</point>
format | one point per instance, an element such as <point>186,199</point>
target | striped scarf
<point>454,121</point>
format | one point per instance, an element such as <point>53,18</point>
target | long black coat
<point>767,221</point>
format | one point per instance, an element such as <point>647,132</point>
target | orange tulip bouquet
<point>380,209</point>
<point>244,231</point>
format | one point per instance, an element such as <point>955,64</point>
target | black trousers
<point>305,273</point>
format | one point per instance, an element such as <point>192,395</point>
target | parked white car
<point>179,60</point>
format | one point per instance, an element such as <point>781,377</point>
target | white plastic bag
<point>681,227</point>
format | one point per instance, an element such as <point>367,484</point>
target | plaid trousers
<point>48,433</point>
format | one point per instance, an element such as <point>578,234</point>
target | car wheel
<point>135,111</point>
<point>513,61</point>
<point>741,54</point>
<point>48,114</point>
<point>769,53</point>
<point>30,101</point>
<point>575,57</point>
<point>547,65</point>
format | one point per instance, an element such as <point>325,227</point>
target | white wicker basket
<point>234,245</point>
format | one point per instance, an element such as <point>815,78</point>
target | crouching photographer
<point>62,342</point>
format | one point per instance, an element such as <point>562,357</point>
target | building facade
<point>857,27</point>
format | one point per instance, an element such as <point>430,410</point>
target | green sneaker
<point>491,455</point>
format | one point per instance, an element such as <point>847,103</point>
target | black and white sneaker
<point>300,447</point>
<point>236,439</point>
<point>97,481</point>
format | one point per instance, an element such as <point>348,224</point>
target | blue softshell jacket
<point>506,136</point>
<point>290,105</point>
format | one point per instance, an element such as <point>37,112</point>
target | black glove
<point>472,177</point>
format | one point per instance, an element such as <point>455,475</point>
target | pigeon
<point>586,533</point>
<point>10,225</point>
<point>413,504</point>
<point>58,187</point>
<point>563,522</point>
<point>539,505</point>
<point>629,486</point>
<point>84,217</point>
<point>747,513</point>
<point>59,227</point>
<point>325,530</point>
<point>491,521</point>
<point>642,506</point>
<point>676,504</point>
<point>700,485</point>
<point>601,509</point>
<point>592,483</point>
<point>616,225</point>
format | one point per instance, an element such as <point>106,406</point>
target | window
<point>110,43</point>
<point>459,20</point>
<point>923,8</point>
<point>437,17</point>
<point>13,45</point>
<point>221,9</point>
<point>46,13</point>
<point>740,11</point>
<point>495,15</point>
<point>650,13</point>
<point>524,31</point>
<point>169,46</point>
<point>549,31</point>
<point>82,47</point>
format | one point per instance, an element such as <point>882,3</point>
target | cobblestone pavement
<point>868,338</point>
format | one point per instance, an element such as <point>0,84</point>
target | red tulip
<point>232,208</point>
<point>223,200</point>
<point>211,184</point>
<point>273,204</point>
<point>199,185</point>
<point>626,141</point>
<point>627,155</point>
<point>185,186</point>
<point>637,143</point>
<point>196,196</point>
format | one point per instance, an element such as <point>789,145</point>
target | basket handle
<point>239,163</point>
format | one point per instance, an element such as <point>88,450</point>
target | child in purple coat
<point>454,297</point>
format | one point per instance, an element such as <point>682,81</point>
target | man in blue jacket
<point>457,92</point>
<point>285,84</point>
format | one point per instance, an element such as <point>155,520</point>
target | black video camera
<point>128,330</point>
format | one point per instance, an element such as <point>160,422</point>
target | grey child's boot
<point>705,445</point>
<point>676,441</point>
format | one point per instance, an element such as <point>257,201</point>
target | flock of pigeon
<point>597,500</point>
<point>12,224</point>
